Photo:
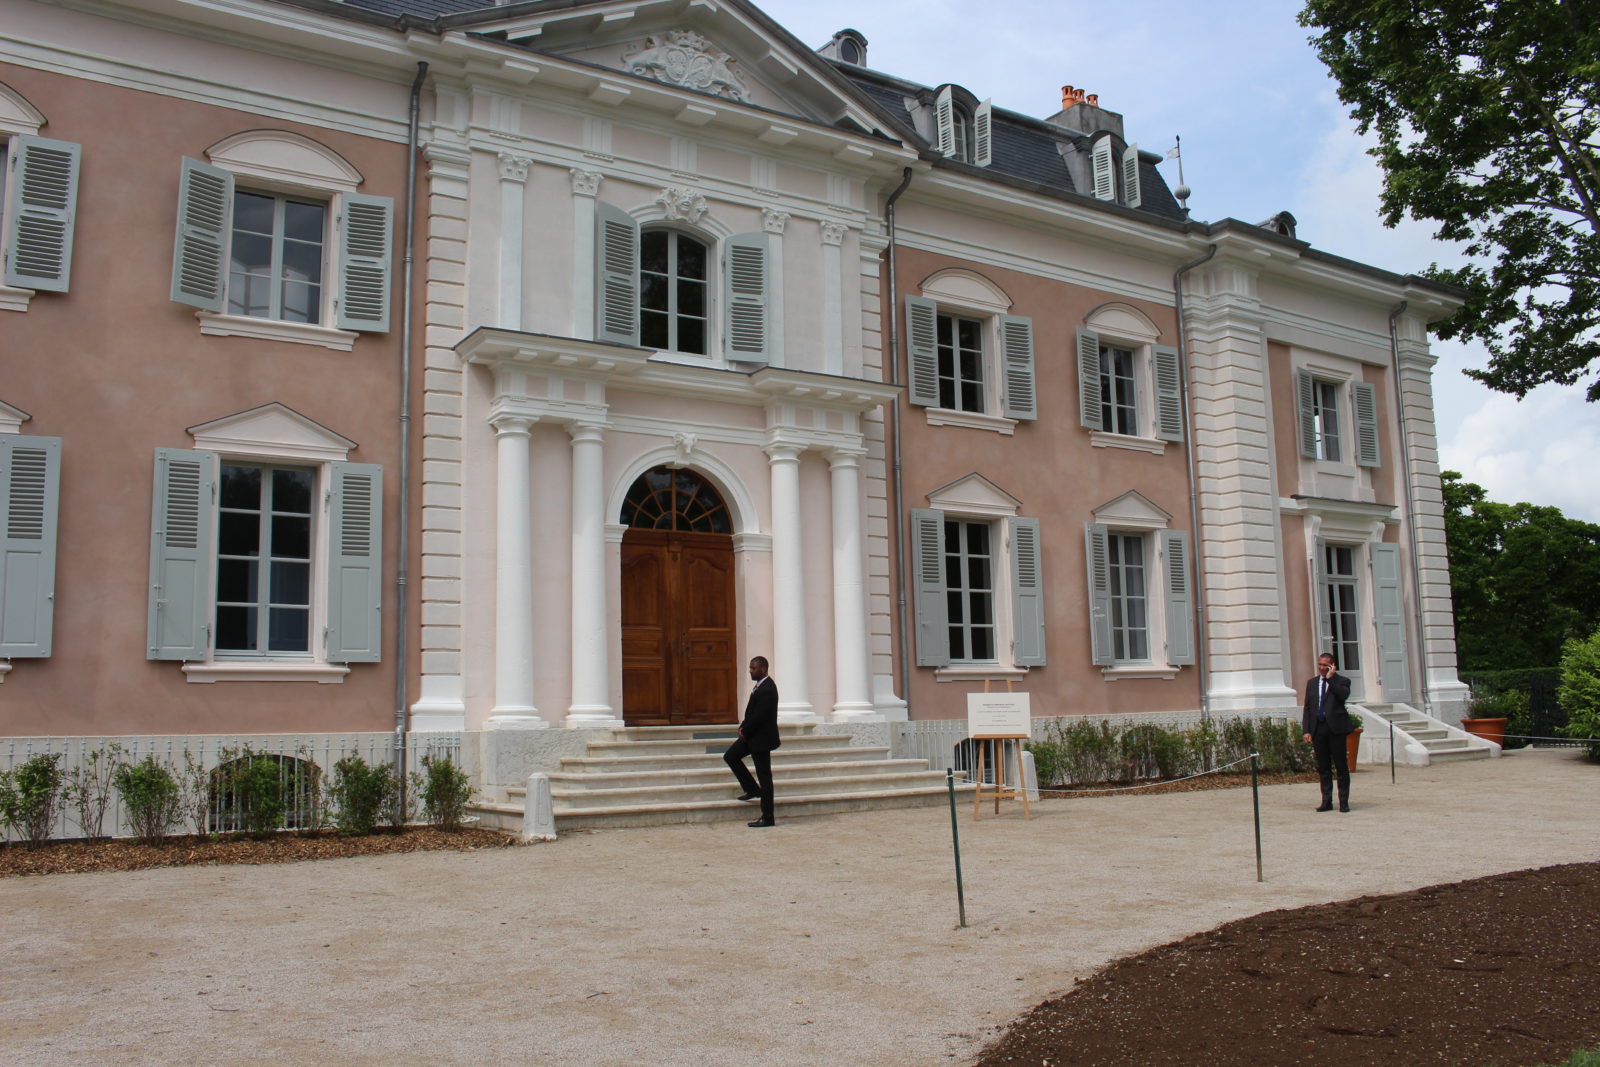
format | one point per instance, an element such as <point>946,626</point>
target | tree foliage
<point>1486,117</point>
<point>1524,579</point>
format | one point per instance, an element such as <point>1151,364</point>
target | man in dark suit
<point>758,736</point>
<point>1326,724</point>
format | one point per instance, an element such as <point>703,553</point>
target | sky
<point>1263,131</point>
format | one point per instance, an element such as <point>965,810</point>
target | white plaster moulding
<point>971,420</point>
<point>1103,439</point>
<point>1052,269</point>
<point>223,671</point>
<point>12,299</point>
<point>213,324</point>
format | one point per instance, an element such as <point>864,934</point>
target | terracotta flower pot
<point>1488,729</point>
<point>1352,743</point>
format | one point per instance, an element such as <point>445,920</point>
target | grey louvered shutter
<point>1016,343</point>
<point>1169,393</point>
<point>1319,577</point>
<point>40,211</point>
<point>617,284</point>
<point>365,263</point>
<point>1089,379</point>
<point>1104,166</point>
<point>1179,585</point>
<point>1027,594</point>
<point>1364,399</point>
<point>929,593</point>
<point>1306,399</point>
<point>1097,552</point>
<point>205,219</point>
<point>30,500</point>
<point>983,134</point>
<point>1388,603</point>
<point>922,347</point>
<point>181,560</point>
<point>355,563</point>
<point>749,296</point>
<point>944,113</point>
<point>1130,176</point>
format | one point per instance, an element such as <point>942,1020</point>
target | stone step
<point>713,746</point>
<point>1426,734</point>
<point>565,800</point>
<point>1446,755</point>
<point>729,730</point>
<point>689,761</point>
<point>1445,744</point>
<point>786,807</point>
<point>720,774</point>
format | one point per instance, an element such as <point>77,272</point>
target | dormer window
<point>962,127</point>
<point>1114,170</point>
<point>847,46</point>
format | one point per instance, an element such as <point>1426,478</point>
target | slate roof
<point>424,8</point>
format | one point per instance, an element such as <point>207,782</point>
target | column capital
<point>514,168</point>
<point>773,220</point>
<point>586,430</point>
<point>586,182</point>
<point>833,232</point>
<point>512,425</point>
<point>843,456</point>
<point>783,451</point>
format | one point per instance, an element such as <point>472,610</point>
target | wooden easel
<point>999,791</point>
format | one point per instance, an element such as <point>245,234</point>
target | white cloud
<point>1540,450</point>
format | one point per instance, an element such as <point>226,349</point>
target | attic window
<point>847,46</point>
<point>962,131</point>
<point>1114,174</point>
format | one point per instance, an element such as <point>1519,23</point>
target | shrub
<point>151,798</point>
<point>29,795</point>
<point>445,792</point>
<point>1046,761</point>
<point>361,794</point>
<point>1238,740</point>
<point>1511,705</point>
<point>1151,751</point>
<point>259,793</point>
<point>1089,751</point>
<point>1580,689</point>
<point>88,788</point>
<point>1203,740</point>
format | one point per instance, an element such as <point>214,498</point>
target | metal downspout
<point>1411,502</point>
<point>1202,660</point>
<point>403,549</point>
<point>892,305</point>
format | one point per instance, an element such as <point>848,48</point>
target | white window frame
<point>279,163</point>
<point>17,118</point>
<point>1122,326</point>
<point>716,304</point>
<point>1131,514</point>
<point>964,294</point>
<point>275,435</point>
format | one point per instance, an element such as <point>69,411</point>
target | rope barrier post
<point>955,842</point>
<point>1391,752</point>
<point>1255,798</point>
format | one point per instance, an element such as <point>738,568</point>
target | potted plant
<point>1352,744</point>
<point>1488,714</point>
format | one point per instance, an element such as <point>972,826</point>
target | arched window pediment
<point>281,158</point>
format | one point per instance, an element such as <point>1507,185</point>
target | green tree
<point>1486,117</point>
<point>1580,689</point>
<point>1523,579</point>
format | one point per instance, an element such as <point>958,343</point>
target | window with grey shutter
<point>983,134</point>
<point>1365,403</point>
<point>30,498</point>
<point>922,344</point>
<point>40,212</point>
<point>1168,376</point>
<point>1097,554</point>
<point>1178,582</point>
<point>617,267</point>
<point>1016,346</point>
<point>944,111</point>
<point>181,562</point>
<point>205,219</point>
<point>1388,600</point>
<point>364,263</point>
<point>1027,594</point>
<point>355,563</point>
<point>1089,379</point>
<point>1306,403</point>
<point>927,567</point>
<point>1130,176</point>
<point>749,292</point>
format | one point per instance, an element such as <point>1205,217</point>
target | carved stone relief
<point>683,57</point>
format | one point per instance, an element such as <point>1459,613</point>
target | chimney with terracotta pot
<point>1081,111</point>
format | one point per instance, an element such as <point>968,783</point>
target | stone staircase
<point>1419,739</point>
<point>653,775</point>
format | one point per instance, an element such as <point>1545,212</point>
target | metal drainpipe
<point>1411,501</point>
<point>1202,663</point>
<point>403,549</point>
<point>894,450</point>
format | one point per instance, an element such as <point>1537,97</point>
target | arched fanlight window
<point>679,500</point>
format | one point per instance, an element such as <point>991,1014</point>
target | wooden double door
<point>678,639</point>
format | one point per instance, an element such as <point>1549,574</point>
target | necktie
<point>1322,703</point>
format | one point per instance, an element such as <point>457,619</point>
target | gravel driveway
<point>825,940</point>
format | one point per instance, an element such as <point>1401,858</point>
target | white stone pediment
<point>16,114</point>
<point>11,419</point>
<point>1123,320</point>
<point>974,495</point>
<point>283,158</point>
<point>1133,510</point>
<point>272,430</point>
<point>711,48</point>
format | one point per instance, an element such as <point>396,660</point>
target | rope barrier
<point>1152,785</point>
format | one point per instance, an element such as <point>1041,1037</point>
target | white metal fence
<point>302,759</point>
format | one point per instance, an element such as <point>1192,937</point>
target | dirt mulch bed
<point>1182,785</point>
<point>1498,970</point>
<point>71,857</point>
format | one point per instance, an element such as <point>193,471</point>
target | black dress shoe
<point>749,796</point>
<point>761,823</point>
<point>1326,807</point>
<point>1344,807</point>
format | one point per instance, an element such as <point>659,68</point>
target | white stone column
<point>513,606</point>
<point>789,661</point>
<point>833,330</point>
<point>513,188</point>
<point>852,690</point>
<point>773,222</point>
<point>590,638</point>
<point>585,188</point>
